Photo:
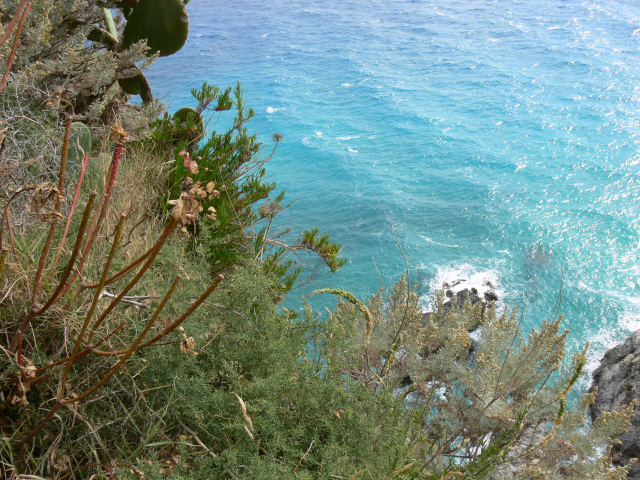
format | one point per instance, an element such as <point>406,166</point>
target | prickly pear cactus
<point>188,124</point>
<point>187,115</point>
<point>137,85</point>
<point>79,144</point>
<point>164,23</point>
<point>109,23</point>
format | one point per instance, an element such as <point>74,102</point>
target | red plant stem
<point>155,250</point>
<point>16,40</point>
<point>34,309</point>
<point>96,223</point>
<point>92,309</point>
<point>98,219</point>
<point>12,24</point>
<point>171,327</point>
<point>58,205</point>
<point>71,211</point>
<point>131,349</point>
<point>122,272</point>
<point>3,257</point>
<point>12,237</point>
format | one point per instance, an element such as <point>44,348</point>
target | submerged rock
<point>618,382</point>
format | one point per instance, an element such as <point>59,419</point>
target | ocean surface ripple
<point>501,138</point>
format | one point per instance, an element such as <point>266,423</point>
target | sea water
<point>493,140</point>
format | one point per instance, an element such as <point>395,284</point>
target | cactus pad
<point>164,23</point>
<point>188,123</point>
<point>137,85</point>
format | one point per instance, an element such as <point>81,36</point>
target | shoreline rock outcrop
<point>618,382</point>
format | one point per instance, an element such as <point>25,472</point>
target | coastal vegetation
<point>142,278</point>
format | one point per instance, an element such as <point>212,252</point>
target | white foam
<point>464,276</point>
<point>352,150</point>
<point>348,137</point>
<point>318,133</point>
<point>271,110</point>
<point>481,280</point>
<point>346,85</point>
<point>433,242</point>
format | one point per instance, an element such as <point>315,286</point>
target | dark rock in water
<point>617,379</point>
<point>458,299</point>
<point>490,296</point>
<point>461,297</point>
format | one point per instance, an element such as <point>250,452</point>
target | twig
<point>129,299</point>
<point>196,438</point>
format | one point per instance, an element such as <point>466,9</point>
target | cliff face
<point>618,382</point>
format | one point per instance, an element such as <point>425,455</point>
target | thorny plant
<point>73,298</point>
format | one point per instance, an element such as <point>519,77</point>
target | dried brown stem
<point>12,237</point>
<point>172,326</point>
<point>39,428</point>
<point>155,250</point>
<point>81,353</point>
<point>122,272</point>
<point>3,257</point>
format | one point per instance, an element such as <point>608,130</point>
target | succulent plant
<point>188,124</point>
<point>137,85</point>
<point>189,115</point>
<point>163,23</point>
<point>109,23</point>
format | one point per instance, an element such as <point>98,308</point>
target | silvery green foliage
<point>57,65</point>
<point>498,410</point>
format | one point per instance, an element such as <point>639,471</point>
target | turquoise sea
<point>501,137</point>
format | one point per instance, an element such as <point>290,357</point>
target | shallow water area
<point>501,138</point>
